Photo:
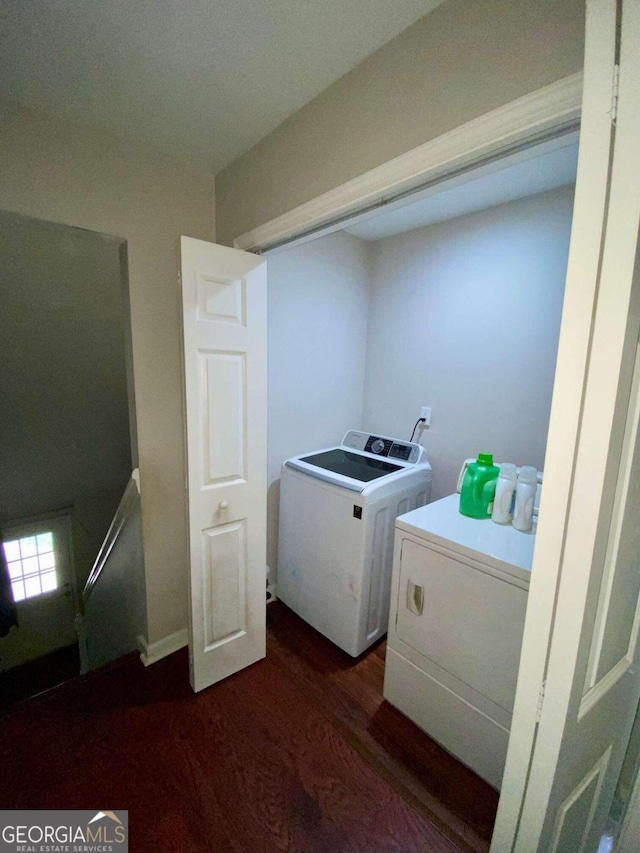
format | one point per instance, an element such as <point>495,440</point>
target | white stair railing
<point>127,502</point>
<point>112,604</point>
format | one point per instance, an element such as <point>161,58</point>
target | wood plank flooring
<point>350,692</point>
<point>39,675</point>
<point>297,753</point>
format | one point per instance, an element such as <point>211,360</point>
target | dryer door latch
<point>415,598</point>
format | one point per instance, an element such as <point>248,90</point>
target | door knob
<point>223,505</point>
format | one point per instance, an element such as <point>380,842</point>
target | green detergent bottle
<point>479,487</point>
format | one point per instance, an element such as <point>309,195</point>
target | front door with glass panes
<point>38,556</point>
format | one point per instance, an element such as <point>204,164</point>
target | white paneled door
<point>224,299</point>
<point>579,680</point>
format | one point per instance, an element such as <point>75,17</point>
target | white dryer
<point>458,603</point>
<point>337,513</point>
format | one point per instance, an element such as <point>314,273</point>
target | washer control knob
<point>377,446</point>
<point>223,504</point>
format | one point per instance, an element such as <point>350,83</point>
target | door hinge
<point>615,94</point>
<point>540,701</point>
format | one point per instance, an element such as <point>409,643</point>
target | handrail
<point>131,492</point>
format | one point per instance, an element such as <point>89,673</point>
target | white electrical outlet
<point>425,412</point>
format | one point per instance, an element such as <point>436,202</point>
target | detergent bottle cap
<point>528,474</point>
<point>485,458</point>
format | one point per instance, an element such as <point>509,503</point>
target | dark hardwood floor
<point>350,693</point>
<point>296,753</point>
<point>36,676</point>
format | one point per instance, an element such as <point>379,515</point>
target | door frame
<point>516,125</point>
<point>551,110</point>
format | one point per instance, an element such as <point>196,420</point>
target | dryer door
<point>467,621</point>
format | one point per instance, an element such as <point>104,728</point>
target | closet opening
<point>448,300</point>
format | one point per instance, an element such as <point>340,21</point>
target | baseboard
<point>152,652</point>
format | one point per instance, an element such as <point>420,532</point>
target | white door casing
<point>224,299</point>
<point>573,348</point>
<point>560,778</point>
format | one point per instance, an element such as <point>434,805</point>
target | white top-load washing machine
<point>337,513</point>
<point>458,603</point>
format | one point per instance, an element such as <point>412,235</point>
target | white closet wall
<point>464,317</point>
<point>318,306</point>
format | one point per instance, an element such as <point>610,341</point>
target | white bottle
<point>503,501</point>
<point>525,495</point>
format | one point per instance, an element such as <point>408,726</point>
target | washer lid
<point>344,468</point>
<point>354,465</point>
<point>360,460</point>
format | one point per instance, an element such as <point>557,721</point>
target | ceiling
<point>544,167</point>
<point>202,80</point>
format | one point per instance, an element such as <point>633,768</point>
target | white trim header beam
<point>545,110</point>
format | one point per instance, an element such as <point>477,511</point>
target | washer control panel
<point>381,445</point>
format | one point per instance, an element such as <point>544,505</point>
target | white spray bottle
<point>525,496</point>
<point>503,502</point>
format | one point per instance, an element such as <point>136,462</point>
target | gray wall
<point>464,317</point>
<point>318,303</point>
<point>65,433</point>
<point>55,170</point>
<point>463,59</point>
<point>115,614</point>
